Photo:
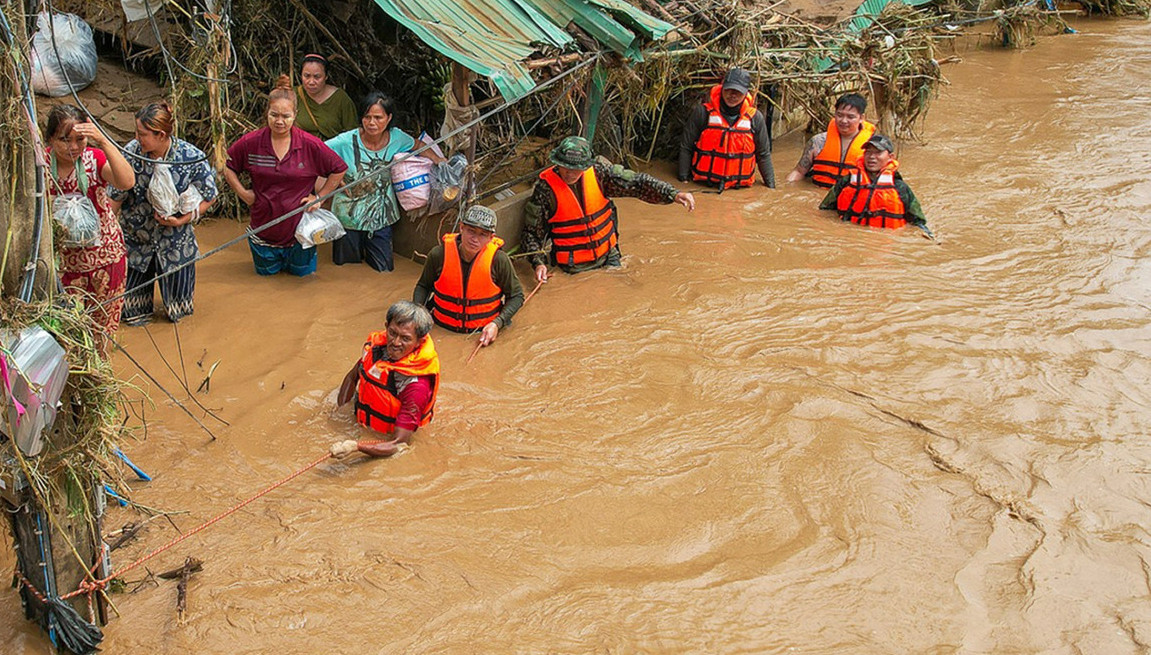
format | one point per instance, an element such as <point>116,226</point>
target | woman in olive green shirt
<point>325,110</point>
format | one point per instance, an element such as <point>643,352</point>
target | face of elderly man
<point>402,340</point>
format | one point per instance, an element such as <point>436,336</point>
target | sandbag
<point>318,226</point>
<point>77,55</point>
<point>78,220</point>
<point>411,180</point>
<point>162,194</point>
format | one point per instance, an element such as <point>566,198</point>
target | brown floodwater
<point>769,432</point>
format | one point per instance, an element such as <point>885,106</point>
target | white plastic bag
<point>189,200</point>
<point>78,220</point>
<point>135,10</point>
<point>74,55</point>
<point>162,193</point>
<point>411,180</point>
<point>318,226</point>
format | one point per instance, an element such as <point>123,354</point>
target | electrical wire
<point>28,282</point>
<point>168,56</point>
<point>84,108</point>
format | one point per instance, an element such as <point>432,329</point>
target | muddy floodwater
<point>769,432</point>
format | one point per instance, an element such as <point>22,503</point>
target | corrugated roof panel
<point>494,37</point>
<point>490,37</point>
<point>861,19</point>
<point>652,28</point>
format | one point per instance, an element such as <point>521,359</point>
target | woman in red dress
<point>96,272</point>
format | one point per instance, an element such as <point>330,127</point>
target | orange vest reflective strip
<point>875,204</point>
<point>580,234</point>
<point>724,154</point>
<point>377,400</point>
<point>465,306</point>
<point>829,165</point>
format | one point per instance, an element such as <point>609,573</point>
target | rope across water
<point>91,586</point>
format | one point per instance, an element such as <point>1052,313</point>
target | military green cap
<point>573,152</point>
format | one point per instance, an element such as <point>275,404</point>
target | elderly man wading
<point>468,282</point>
<point>571,207</point>
<point>395,382</point>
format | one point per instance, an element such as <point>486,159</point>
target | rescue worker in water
<point>725,138</point>
<point>829,155</point>
<point>571,207</point>
<point>395,382</point>
<point>873,192</point>
<point>468,281</point>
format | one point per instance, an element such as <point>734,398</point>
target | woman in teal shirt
<point>368,210</point>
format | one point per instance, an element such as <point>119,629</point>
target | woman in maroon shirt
<point>283,163</point>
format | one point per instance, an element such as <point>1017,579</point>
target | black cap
<point>880,142</point>
<point>737,79</point>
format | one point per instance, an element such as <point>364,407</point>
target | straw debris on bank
<point>82,442</point>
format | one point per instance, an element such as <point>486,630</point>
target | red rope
<point>91,586</point>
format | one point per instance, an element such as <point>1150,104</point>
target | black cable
<point>168,56</point>
<point>84,108</point>
<point>28,282</point>
<point>344,189</point>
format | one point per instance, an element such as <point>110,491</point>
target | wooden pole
<point>461,89</point>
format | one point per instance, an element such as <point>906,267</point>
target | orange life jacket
<point>463,306</point>
<point>829,165</point>
<point>377,399</point>
<point>580,234</point>
<point>872,203</point>
<point>725,154</point>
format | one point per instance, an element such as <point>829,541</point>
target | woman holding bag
<point>84,174</point>
<point>157,214</point>
<point>369,209</point>
<point>283,163</point>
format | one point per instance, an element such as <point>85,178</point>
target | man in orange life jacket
<point>725,138</point>
<point>468,281</point>
<point>571,207</point>
<point>873,192</point>
<point>395,381</point>
<point>830,154</point>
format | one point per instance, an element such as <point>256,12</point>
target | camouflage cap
<point>573,152</point>
<point>481,217</point>
<point>880,142</point>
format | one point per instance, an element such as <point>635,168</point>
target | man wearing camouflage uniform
<point>571,208</point>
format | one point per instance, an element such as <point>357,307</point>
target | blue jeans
<point>295,259</point>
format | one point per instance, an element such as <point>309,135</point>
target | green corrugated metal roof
<point>861,19</point>
<point>494,37</point>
